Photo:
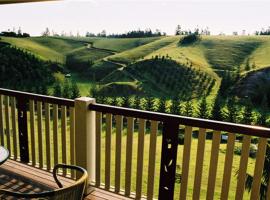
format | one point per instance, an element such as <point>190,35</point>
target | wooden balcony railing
<point>132,152</point>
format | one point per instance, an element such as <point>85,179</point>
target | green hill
<point>116,44</point>
<point>142,51</point>
<point>161,78</point>
<point>104,60</point>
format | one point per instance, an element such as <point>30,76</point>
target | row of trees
<point>197,31</point>
<point>223,111</point>
<point>130,34</point>
<point>264,31</point>
<point>66,89</point>
<point>19,34</point>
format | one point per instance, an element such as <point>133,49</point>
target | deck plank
<point>20,177</point>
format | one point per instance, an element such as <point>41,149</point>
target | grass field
<point>205,173</point>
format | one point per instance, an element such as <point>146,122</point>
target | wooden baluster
<point>55,133</point>
<point>47,136</point>
<point>260,157</point>
<point>152,160</point>
<point>72,139</point>
<point>64,136</point>
<point>243,168</point>
<point>199,164</point>
<point>32,131</point>
<point>168,159</point>
<point>140,158</point>
<point>213,165</point>
<point>14,127</point>
<point>23,135</point>
<point>119,127</point>
<point>228,167</point>
<point>40,141</point>
<point>130,131</point>
<point>185,163</point>
<point>98,146</point>
<point>7,115</point>
<point>108,151</point>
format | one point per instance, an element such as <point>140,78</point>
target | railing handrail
<point>37,97</point>
<point>182,120</point>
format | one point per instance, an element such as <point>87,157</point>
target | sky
<point>119,16</point>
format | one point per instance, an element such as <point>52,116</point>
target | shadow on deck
<point>19,177</point>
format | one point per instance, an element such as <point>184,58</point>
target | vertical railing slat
<point>213,165</point>
<point>48,138</point>
<point>119,127</point>
<point>72,139</point>
<point>7,120</point>
<point>55,133</point>
<point>139,172</point>
<point>14,127</point>
<point>40,141</point>
<point>32,131</point>
<point>228,167</point>
<point>64,136</point>
<point>199,164</point>
<point>152,159</point>
<point>243,168</point>
<point>1,121</point>
<point>129,144</point>
<point>98,146</point>
<point>185,163</point>
<point>108,151</point>
<point>260,157</point>
<point>23,129</point>
<point>168,159</point>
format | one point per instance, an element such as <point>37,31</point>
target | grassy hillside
<point>105,62</point>
<point>142,51</point>
<point>159,77</point>
<point>116,44</point>
<point>41,51</point>
<point>228,53</point>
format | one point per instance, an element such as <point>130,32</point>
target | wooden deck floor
<point>18,177</point>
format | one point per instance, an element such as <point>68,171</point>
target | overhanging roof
<point>21,1</point>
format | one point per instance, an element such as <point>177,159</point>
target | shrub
<point>189,39</point>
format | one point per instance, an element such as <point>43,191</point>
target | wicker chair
<point>72,192</point>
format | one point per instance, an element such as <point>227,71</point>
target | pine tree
<point>66,89</point>
<point>175,106</point>
<point>125,102</point>
<point>216,111</point>
<point>137,102</point>
<point>57,90</point>
<point>262,119</point>
<point>232,111</point>
<point>162,105</point>
<point>188,109</point>
<point>149,105</point>
<point>247,114</point>
<point>203,109</point>
<point>75,92</point>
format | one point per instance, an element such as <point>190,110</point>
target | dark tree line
<point>129,34</point>
<point>21,70</point>
<point>263,31</point>
<point>14,34</point>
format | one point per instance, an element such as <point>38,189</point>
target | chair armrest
<point>64,166</point>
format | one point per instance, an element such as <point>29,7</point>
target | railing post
<point>23,135</point>
<point>85,130</point>
<point>168,159</point>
